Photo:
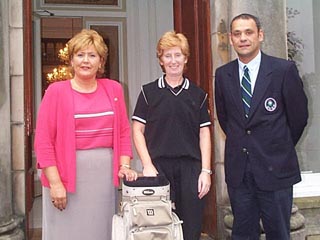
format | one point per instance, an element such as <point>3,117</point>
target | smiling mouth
<point>244,46</point>
<point>174,67</point>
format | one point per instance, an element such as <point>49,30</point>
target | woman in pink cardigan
<point>82,146</point>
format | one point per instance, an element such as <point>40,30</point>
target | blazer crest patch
<point>270,104</point>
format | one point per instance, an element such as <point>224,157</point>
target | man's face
<point>245,38</point>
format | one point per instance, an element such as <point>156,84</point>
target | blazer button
<point>249,132</point>
<point>245,150</point>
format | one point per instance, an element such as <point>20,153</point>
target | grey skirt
<point>89,210</point>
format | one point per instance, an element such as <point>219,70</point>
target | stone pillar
<point>273,18</point>
<point>220,55</point>
<point>8,222</point>
<point>272,14</point>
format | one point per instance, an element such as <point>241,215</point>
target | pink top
<point>55,141</point>
<point>94,118</point>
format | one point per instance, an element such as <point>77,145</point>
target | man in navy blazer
<point>261,164</point>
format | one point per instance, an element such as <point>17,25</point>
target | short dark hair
<point>247,16</point>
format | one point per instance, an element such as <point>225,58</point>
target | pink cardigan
<point>55,131</point>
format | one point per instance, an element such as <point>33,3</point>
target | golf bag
<point>146,212</point>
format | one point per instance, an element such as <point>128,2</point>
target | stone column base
<point>11,230</point>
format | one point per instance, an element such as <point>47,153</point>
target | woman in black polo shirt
<point>171,133</point>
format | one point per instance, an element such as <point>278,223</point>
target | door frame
<point>28,108</point>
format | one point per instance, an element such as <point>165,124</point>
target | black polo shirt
<point>172,118</point>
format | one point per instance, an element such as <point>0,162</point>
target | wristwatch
<point>206,170</point>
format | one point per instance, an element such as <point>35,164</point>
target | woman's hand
<point>150,170</point>
<point>58,195</point>
<point>58,192</point>
<point>127,173</point>
<point>204,183</point>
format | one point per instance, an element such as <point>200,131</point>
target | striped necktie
<point>246,90</point>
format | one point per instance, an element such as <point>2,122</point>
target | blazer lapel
<point>262,83</point>
<point>234,87</point>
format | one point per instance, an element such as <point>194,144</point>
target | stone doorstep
<point>314,237</point>
<point>307,202</point>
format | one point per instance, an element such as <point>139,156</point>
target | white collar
<point>253,64</point>
<point>161,83</point>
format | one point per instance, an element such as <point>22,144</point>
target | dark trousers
<point>250,204</point>
<point>183,174</point>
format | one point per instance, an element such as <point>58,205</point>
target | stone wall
<point>11,115</point>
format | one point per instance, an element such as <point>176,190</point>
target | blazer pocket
<point>283,160</point>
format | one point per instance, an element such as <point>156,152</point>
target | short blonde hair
<point>87,38</point>
<point>172,39</point>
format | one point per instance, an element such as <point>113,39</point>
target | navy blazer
<point>277,118</point>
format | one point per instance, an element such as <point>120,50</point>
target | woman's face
<point>86,63</point>
<point>173,61</point>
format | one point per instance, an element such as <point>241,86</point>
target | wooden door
<point>192,18</point>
